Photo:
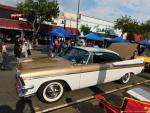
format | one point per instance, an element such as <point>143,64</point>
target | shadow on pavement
<point>22,106</point>
<point>115,99</point>
<point>68,100</point>
<point>88,107</point>
<point>145,75</point>
<point>95,106</point>
<point>96,90</point>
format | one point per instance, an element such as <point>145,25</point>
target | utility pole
<point>77,18</point>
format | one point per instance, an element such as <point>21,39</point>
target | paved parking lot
<point>94,106</point>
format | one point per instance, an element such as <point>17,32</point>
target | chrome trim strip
<point>87,69</point>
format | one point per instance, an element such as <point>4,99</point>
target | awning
<point>15,25</point>
<point>26,26</point>
<point>145,43</point>
<point>60,32</point>
<point>7,7</point>
<point>118,39</point>
<point>92,36</point>
<point>47,28</point>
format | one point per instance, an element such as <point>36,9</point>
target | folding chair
<point>129,105</point>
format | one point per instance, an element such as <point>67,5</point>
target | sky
<point>109,10</point>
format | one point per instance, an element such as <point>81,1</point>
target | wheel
<point>51,91</point>
<point>125,78</point>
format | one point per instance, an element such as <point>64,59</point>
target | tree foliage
<point>38,11</point>
<point>126,24</point>
<point>146,26</point>
<point>85,29</point>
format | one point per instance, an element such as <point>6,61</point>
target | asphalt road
<point>10,103</point>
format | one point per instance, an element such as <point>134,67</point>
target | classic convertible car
<point>75,68</point>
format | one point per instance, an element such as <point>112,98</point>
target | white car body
<point>78,75</point>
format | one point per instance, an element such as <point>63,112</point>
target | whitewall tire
<point>51,91</point>
<point>125,79</point>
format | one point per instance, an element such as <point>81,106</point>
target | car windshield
<point>75,55</point>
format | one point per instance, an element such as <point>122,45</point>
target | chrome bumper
<point>25,91</point>
<point>22,89</point>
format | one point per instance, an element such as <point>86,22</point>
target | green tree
<point>126,24</point>
<point>146,29</point>
<point>85,29</point>
<point>146,26</point>
<point>38,11</point>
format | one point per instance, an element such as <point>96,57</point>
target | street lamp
<point>78,17</point>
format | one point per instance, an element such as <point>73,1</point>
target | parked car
<point>75,68</point>
<point>146,56</point>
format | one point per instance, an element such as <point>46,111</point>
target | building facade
<point>97,25</point>
<point>66,20</point>
<point>6,11</point>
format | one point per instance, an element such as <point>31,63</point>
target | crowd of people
<point>22,48</point>
<point>58,45</point>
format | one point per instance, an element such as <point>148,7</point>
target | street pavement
<point>94,106</point>
<point>10,103</point>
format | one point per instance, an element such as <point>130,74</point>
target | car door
<point>97,70</point>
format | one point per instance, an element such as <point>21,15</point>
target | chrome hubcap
<point>126,76</point>
<point>53,90</point>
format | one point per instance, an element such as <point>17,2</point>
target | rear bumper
<point>22,89</point>
<point>26,94</point>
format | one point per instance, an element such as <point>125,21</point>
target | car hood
<point>125,50</point>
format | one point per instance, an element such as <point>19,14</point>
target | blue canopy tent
<point>118,39</point>
<point>60,32</point>
<point>144,43</point>
<point>54,33</point>
<point>92,36</point>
